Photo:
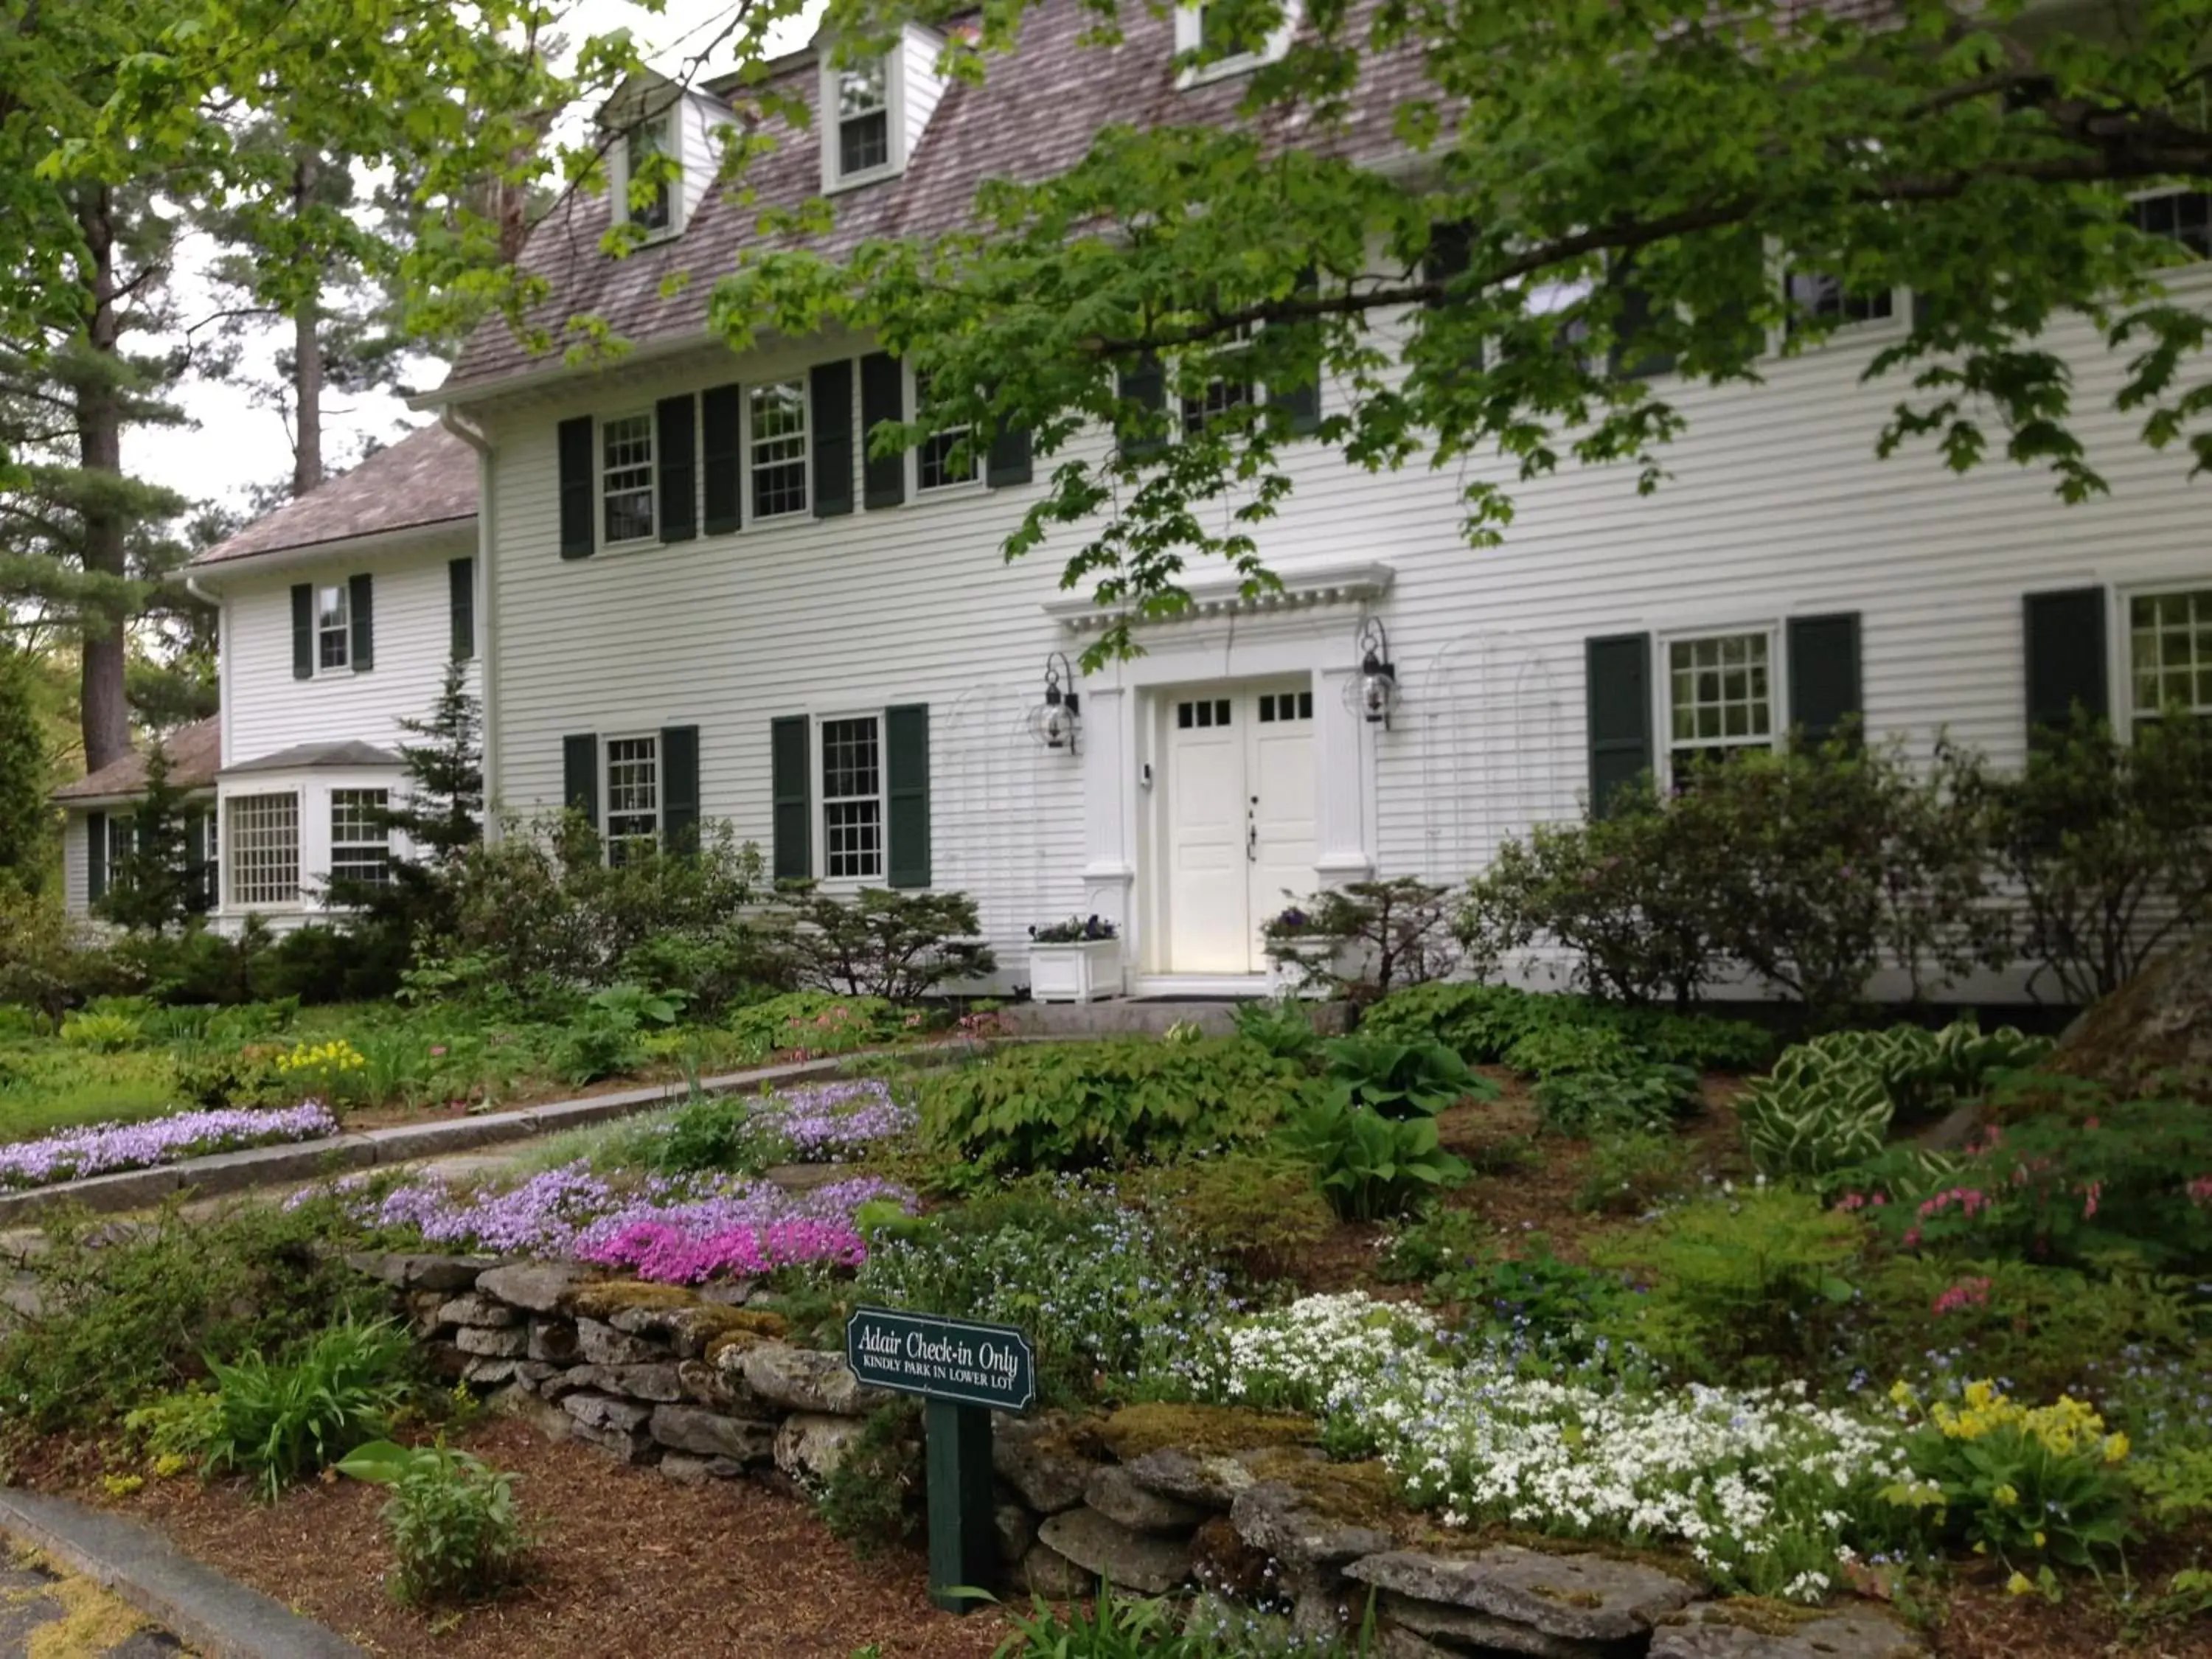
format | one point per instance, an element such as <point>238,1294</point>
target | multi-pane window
<point>626,477</point>
<point>261,834</point>
<point>1220,395</point>
<point>2183,216</point>
<point>633,797</point>
<point>2170,652</point>
<point>361,840</point>
<point>942,460</point>
<point>1206,712</point>
<point>852,799</point>
<point>1720,697</point>
<point>333,627</point>
<point>1817,293</point>
<point>864,120</point>
<point>779,447</point>
<point>122,834</point>
<point>641,144</point>
<point>1277,706</point>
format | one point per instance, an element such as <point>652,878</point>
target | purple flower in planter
<point>101,1148</point>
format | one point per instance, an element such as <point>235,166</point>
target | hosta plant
<point>1401,1080</point>
<point>1806,1122</point>
<point>1370,1165</point>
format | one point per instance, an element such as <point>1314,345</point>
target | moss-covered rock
<point>1363,1493</point>
<point>1206,1430</point>
<point>610,1297</point>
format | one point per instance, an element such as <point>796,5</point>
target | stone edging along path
<point>220,1173</point>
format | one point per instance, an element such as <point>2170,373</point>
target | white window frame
<point>2126,714</point>
<point>1895,327</point>
<point>1188,38</point>
<point>1662,691</point>
<point>834,177</point>
<point>652,480</point>
<point>342,632</point>
<point>820,761</point>
<point>753,515</point>
<point>670,121</point>
<point>359,845</point>
<point>121,838</point>
<point>233,845</point>
<point>979,458</point>
<point>2195,257</point>
<point>651,837</point>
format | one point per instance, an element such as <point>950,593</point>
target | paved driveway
<point>49,1615</point>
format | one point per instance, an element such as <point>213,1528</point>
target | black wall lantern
<point>1055,721</point>
<point>1378,675</point>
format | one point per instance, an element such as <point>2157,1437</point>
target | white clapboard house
<point>697,595</point>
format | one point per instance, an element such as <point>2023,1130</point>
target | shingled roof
<point>195,753</point>
<point>429,477</point>
<point>1035,116</point>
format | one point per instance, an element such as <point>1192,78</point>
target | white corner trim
<point>1303,588</point>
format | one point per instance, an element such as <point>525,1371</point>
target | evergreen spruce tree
<point>152,886</point>
<point>440,812</point>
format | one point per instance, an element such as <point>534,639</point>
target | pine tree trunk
<point>307,362</point>
<point>104,715</point>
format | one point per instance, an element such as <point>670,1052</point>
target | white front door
<point>1240,822</point>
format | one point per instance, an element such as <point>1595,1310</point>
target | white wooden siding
<point>1776,505</point>
<point>266,710</point>
<point>76,874</point>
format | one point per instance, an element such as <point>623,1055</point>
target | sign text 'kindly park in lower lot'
<point>941,1359</point>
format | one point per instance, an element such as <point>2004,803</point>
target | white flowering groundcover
<point>1766,1489</point>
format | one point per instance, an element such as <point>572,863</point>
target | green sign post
<point>963,1372</point>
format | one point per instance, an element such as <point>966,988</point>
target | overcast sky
<point>231,444</point>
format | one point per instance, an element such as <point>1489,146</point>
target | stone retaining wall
<point>1151,1499</point>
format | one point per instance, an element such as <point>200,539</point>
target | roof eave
<point>404,538</point>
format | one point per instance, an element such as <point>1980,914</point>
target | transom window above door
<point>853,799</point>
<point>333,627</point>
<point>626,478</point>
<point>1720,696</point>
<point>1276,706</point>
<point>1206,712</point>
<point>2170,653</point>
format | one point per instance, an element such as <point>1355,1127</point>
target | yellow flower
<point>1900,1393</point>
<point>1981,1392</point>
<point>2020,1584</point>
<point>2038,1541</point>
<point>1982,1548</point>
<point>2115,1448</point>
<point>2005,1496</point>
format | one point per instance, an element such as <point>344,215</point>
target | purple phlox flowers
<point>99,1148</point>
<point>829,1122</point>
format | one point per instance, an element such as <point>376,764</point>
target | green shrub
<point>1484,1022</point>
<point>606,1039</point>
<point>1400,1080</point>
<point>456,1532</point>
<point>1628,1173</point>
<point>1744,1286</point>
<point>1704,1043</point>
<point>100,1033</point>
<point>1397,932</point>
<point>1280,1025</point>
<point>817,1023</point>
<point>2174,1484</point>
<point>1071,1106</point>
<point>278,1421</point>
<point>1369,1165</point>
<point>872,1500</point>
<point>1560,1050</point>
<point>124,1315</point>
<point>1110,1299</point>
<point>898,945</point>
<point>1637,1095</point>
<point>1252,1208</point>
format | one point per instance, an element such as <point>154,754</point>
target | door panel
<point>1280,787</point>
<point>1206,836</point>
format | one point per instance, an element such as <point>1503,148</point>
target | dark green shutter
<point>360,593</point>
<point>95,857</point>
<point>198,889</point>
<point>461,601</point>
<point>303,632</point>
<point>679,788</point>
<point>1618,672</point>
<point>882,398</point>
<point>1451,250</point>
<point>1009,461</point>
<point>580,776</point>
<point>906,794</point>
<point>722,457</point>
<point>829,400</point>
<point>675,449</point>
<point>2066,665</point>
<point>1633,360</point>
<point>791,766</point>
<point>1145,384</point>
<point>577,541</point>
<point>1301,394</point>
<point>1824,675</point>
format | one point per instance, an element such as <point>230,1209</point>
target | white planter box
<point>1084,971</point>
<point>1301,967</point>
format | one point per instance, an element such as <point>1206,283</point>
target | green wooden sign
<point>940,1358</point>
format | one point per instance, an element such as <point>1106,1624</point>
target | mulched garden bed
<point>629,1566</point>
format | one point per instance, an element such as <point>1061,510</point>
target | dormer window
<point>643,142</point>
<point>1203,27</point>
<point>864,120</point>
